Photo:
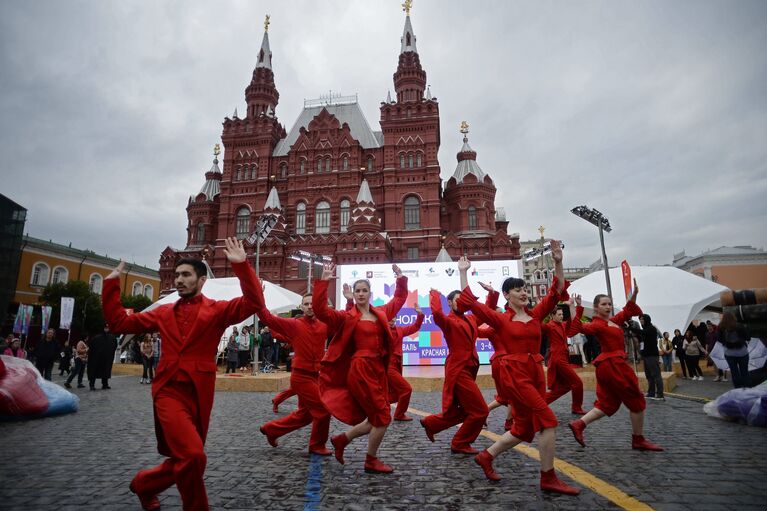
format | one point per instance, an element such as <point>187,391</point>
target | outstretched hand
<point>417,308</point>
<point>327,271</point>
<point>397,271</point>
<point>117,270</point>
<point>464,264</point>
<point>556,251</point>
<point>575,300</point>
<point>234,250</point>
<point>486,287</point>
<point>634,292</point>
<point>347,292</point>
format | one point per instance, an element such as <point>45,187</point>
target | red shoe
<point>429,434</point>
<point>463,450</point>
<point>485,460</point>
<point>402,418</point>
<point>269,438</point>
<point>507,424</point>
<point>579,411</point>
<point>321,451</point>
<point>638,442</point>
<point>374,466</point>
<point>577,426</point>
<point>339,443</point>
<point>275,407</point>
<point>550,482</point>
<point>148,503</point>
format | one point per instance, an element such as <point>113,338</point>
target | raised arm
<point>240,308</point>
<point>559,271</point>
<point>578,327</point>
<point>557,292</point>
<point>491,300</point>
<point>435,304</point>
<point>410,330</point>
<point>463,268</point>
<point>467,301</point>
<point>114,312</point>
<point>334,319</point>
<point>276,323</point>
<point>400,294</point>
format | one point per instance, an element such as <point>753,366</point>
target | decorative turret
<point>467,159</point>
<point>261,95</point>
<point>443,256</point>
<point>273,207</point>
<point>410,78</point>
<point>212,186</point>
<point>364,217</point>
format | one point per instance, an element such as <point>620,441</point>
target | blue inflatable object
<point>60,400</point>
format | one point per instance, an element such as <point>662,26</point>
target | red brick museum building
<point>339,188</point>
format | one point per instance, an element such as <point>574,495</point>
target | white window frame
<point>41,273</point>
<point>60,277</point>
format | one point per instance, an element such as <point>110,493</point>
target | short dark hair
<point>598,298</point>
<point>364,281</point>
<point>452,294</point>
<point>199,267</point>
<point>305,295</point>
<point>512,283</point>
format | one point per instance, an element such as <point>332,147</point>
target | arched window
<point>412,213</point>
<point>148,291</point>
<point>327,164</point>
<point>322,218</point>
<point>137,288</point>
<point>200,232</point>
<point>94,283</point>
<point>472,217</point>
<point>402,161</point>
<point>410,160</point>
<point>370,164</point>
<point>301,166</point>
<point>300,218</point>
<point>419,160</point>
<point>283,169</point>
<point>346,162</point>
<point>239,173</point>
<point>242,227</point>
<point>345,212</point>
<point>253,171</point>
<point>60,274</point>
<point>40,275</point>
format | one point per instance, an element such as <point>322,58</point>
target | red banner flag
<point>626,270</point>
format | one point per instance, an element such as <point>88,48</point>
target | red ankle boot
<point>148,502</point>
<point>507,424</point>
<point>269,438</point>
<point>577,426</point>
<point>550,482</point>
<point>640,443</point>
<point>339,443</point>
<point>374,466</point>
<point>578,411</point>
<point>429,434</point>
<point>485,460</point>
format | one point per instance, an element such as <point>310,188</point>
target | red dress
<point>353,379</point>
<point>561,377</point>
<point>519,378</point>
<point>616,382</point>
<point>399,389</point>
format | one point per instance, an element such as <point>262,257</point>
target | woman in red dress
<point>520,378</point>
<point>353,376</point>
<point>616,381</point>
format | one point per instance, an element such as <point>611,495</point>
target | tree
<point>87,316</point>
<point>137,302</point>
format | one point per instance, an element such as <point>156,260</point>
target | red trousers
<point>562,379</point>
<point>400,390</point>
<point>523,384</point>
<point>310,411</point>
<point>177,411</point>
<point>283,396</point>
<point>468,406</point>
<point>617,383</point>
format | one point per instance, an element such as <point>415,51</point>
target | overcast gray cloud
<point>653,112</point>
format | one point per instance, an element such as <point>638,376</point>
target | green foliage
<point>87,316</point>
<point>137,303</point>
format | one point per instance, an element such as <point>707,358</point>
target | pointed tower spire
<point>388,96</point>
<point>234,115</point>
<point>273,207</point>
<point>212,186</point>
<point>364,217</point>
<point>467,159</point>
<point>261,94</point>
<point>410,78</point>
<point>428,92</point>
<point>443,256</point>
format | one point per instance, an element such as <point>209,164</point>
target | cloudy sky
<point>653,112</point>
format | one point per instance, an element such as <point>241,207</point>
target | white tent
<point>672,297</point>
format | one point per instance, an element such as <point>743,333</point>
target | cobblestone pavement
<point>86,460</point>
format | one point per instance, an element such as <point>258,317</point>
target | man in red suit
<point>399,389</point>
<point>182,391</point>
<point>560,376</point>
<point>462,400</point>
<point>307,335</point>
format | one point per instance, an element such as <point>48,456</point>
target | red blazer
<point>461,337</point>
<point>194,356</point>
<point>307,336</point>
<point>335,366</point>
<point>610,338</point>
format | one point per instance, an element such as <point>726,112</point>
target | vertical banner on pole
<point>46,310</point>
<point>21,324</point>
<point>626,271</point>
<point>67,309</point>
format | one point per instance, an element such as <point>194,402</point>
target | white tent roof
<point>672,297</point>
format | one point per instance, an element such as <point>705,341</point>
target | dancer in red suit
<point>616,382</point>
<point>307,335</point>
<point>520,378</point>
<point>281,398</point>
<point>560,376</point>
<point>462,400</point>
<point>399,388</point>
<point>353,379</point>
<point>182,391</point>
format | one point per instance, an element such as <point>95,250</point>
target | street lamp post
<point>263,228</point>
<point>303,256</point>
<point>595,217</point>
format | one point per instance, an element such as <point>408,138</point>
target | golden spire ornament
<point>406,6</point>
<point>216,149</point>
<point>464,127</point>
<point>266,23</point>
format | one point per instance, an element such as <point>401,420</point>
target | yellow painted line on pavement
<point>687,396</point>
<point>590,481</point>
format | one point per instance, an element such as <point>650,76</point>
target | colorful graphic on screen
<point>427,346</point>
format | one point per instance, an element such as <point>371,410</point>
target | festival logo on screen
<point>432,272</point>
<point>368,274</point>
<point>389,289</point>
<point>449,271</point>
<point>505,271</point>
<point>355,273</point>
